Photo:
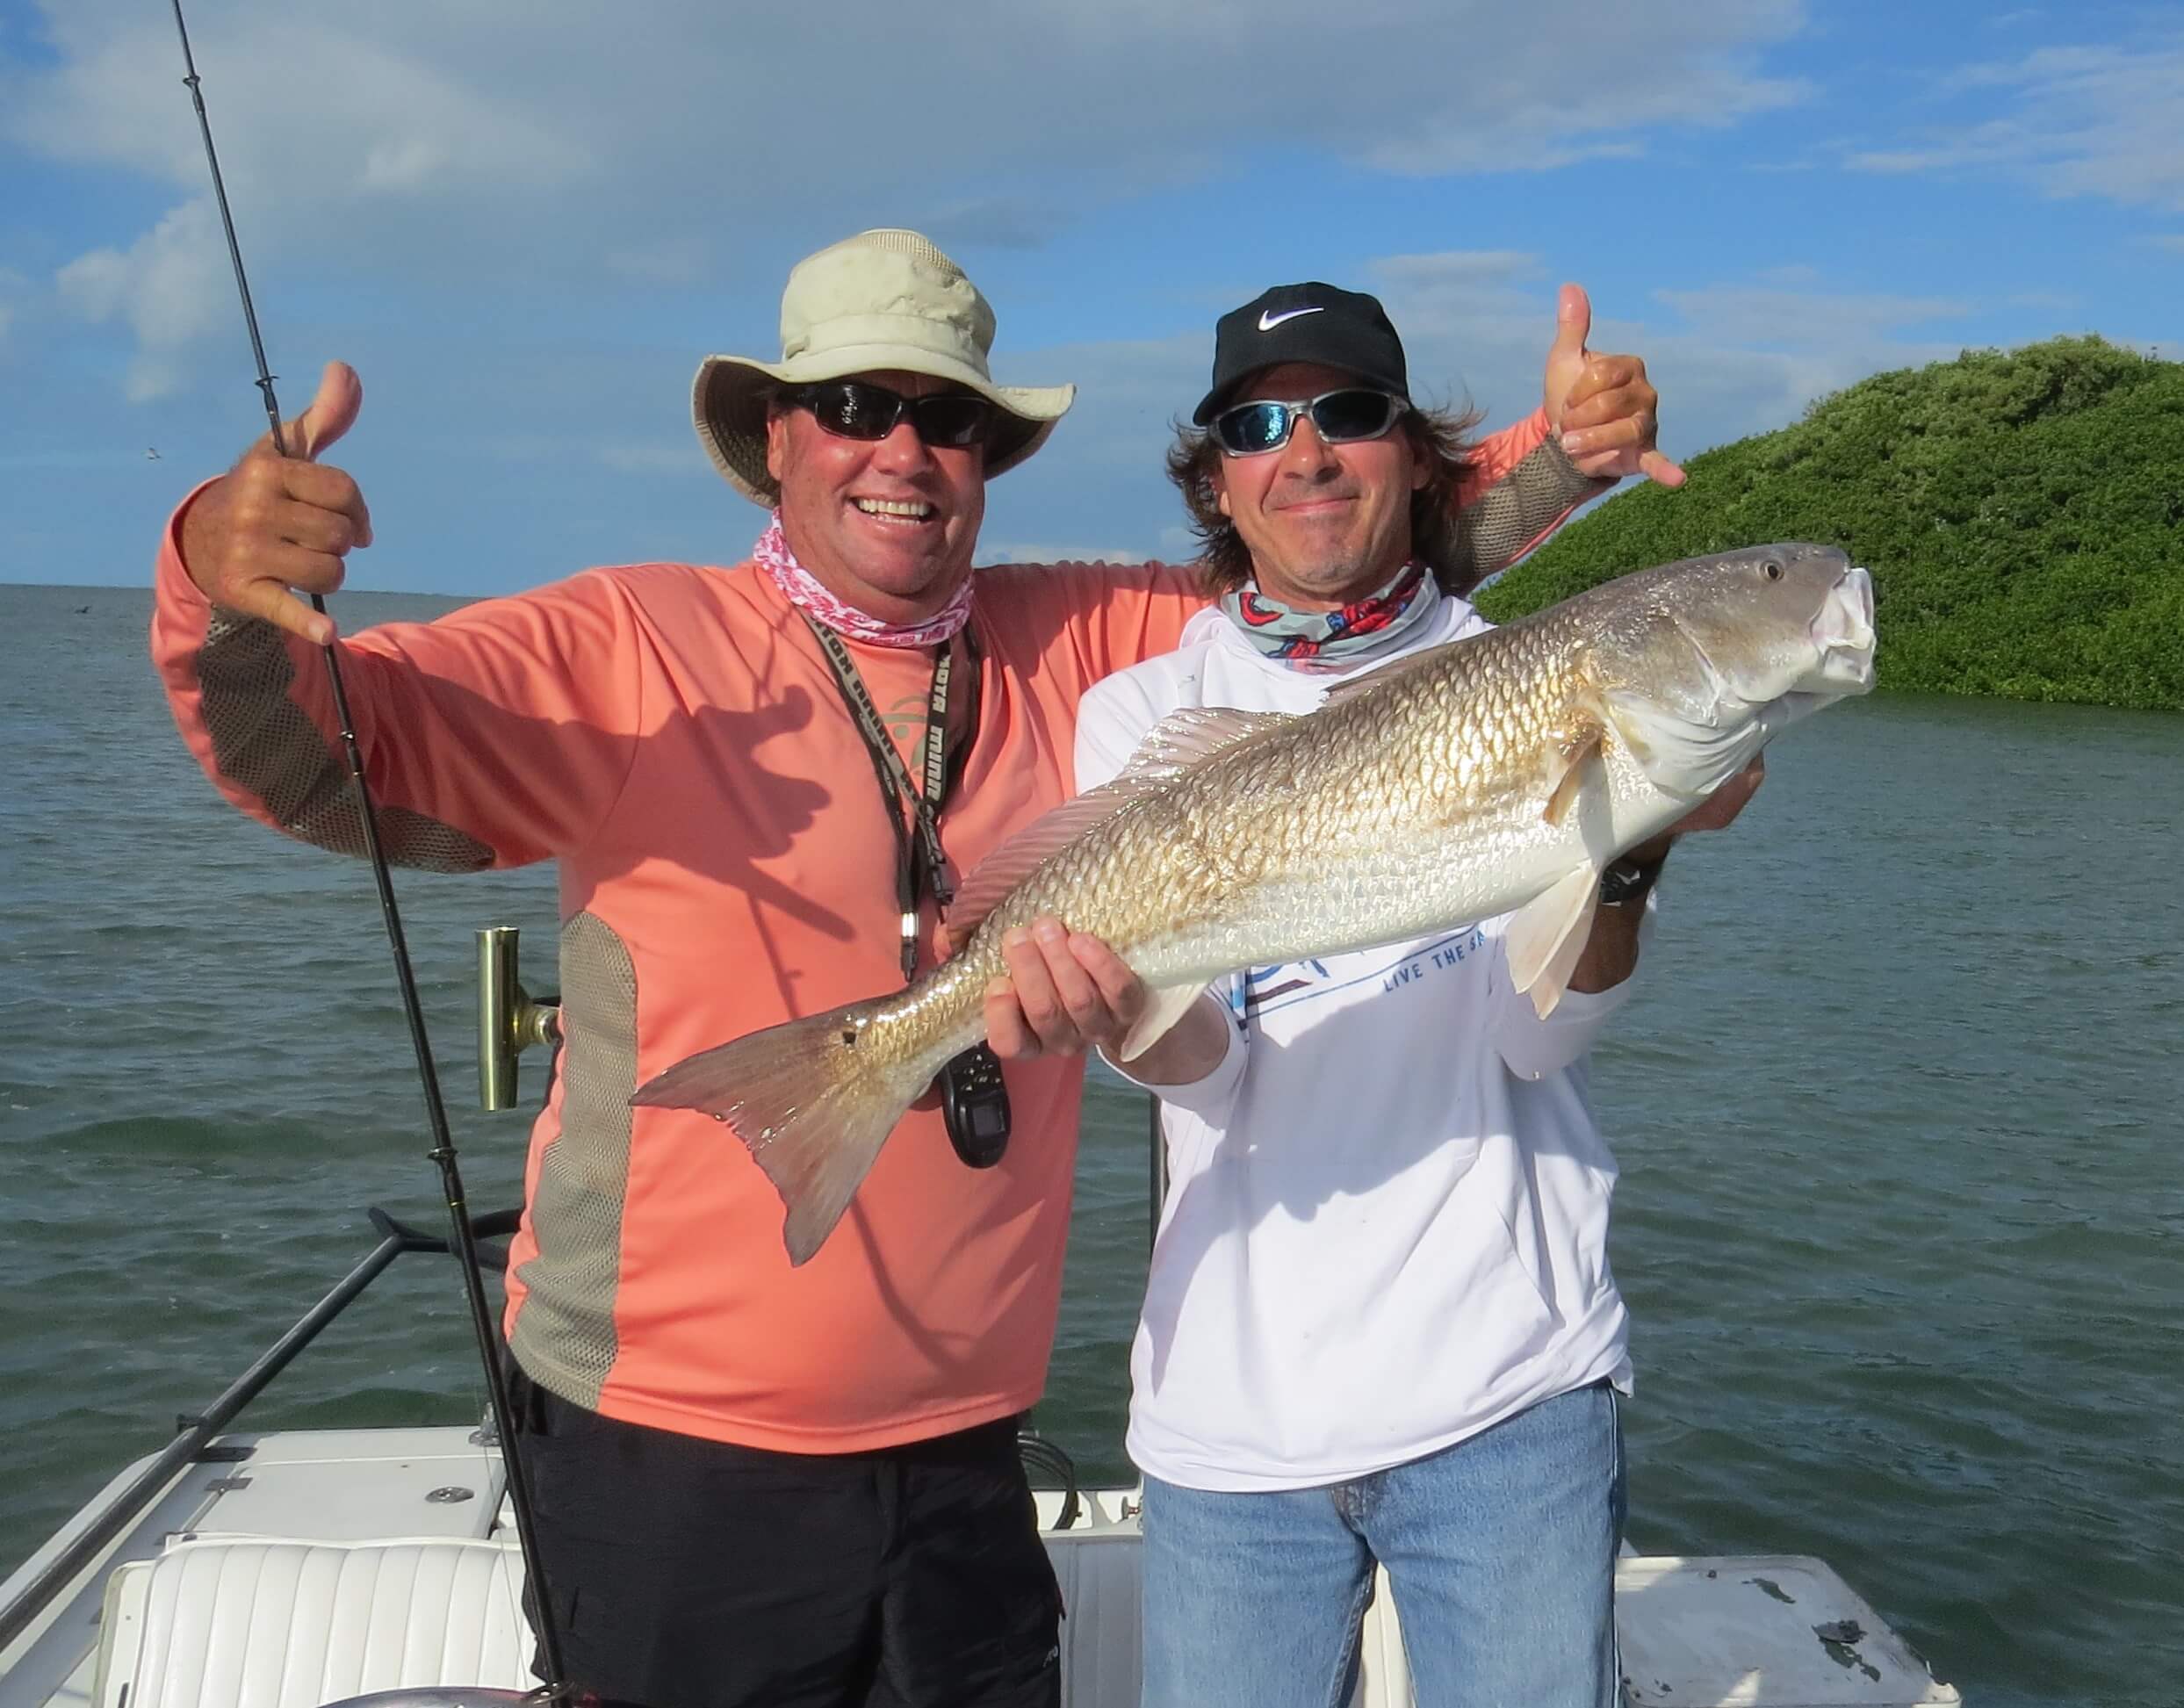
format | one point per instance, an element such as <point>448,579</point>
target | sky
<point>525,221</point>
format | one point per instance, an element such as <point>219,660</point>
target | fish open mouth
<point>1842,632</point>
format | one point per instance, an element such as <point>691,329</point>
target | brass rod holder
<point>510,1021</point>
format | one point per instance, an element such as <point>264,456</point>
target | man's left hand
<point>1602,408</point>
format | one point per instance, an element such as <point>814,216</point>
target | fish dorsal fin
<point>1170,747</point>
<point>1394,670</point>
<point>1010,864</point>
<point>1193,735</point>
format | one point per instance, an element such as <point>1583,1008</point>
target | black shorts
<point>692,1573</point>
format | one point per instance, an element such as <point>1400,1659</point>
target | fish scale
<point>1495,774</point>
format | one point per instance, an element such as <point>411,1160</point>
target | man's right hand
<point>271,524</point>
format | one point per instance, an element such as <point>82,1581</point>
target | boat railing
<point>195,1441</point>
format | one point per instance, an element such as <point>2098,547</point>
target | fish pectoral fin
<point>1583,767</point>
<point>1164,1010</point>
<point>1547,936</point>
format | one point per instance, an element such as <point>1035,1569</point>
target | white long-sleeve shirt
<point>1387,1224</point>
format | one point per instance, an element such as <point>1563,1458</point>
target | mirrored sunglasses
<point>1355,412</point>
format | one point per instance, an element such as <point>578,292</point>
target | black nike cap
<point>1309,322</point>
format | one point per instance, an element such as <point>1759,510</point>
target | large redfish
<point>1495,773</point>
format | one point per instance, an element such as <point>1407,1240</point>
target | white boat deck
<point>314,1565</point>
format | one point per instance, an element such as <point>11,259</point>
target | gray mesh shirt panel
<point>262,740</point>
<point>1514,510</point>
<point>565,1333</point>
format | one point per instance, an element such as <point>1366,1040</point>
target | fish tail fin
<point>812,1101</point>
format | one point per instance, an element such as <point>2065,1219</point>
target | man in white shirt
<point>1379,1323</point>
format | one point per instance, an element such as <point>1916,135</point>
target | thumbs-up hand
<point>274,525</point>
<point>1602,408</point>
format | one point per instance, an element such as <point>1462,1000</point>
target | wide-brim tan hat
<point>882,299</point>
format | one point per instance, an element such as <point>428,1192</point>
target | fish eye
<point>1774,570</point>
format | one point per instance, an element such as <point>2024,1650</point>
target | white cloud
<point>401,163</point>
<point>301,107</point>
<point>170,287</point>
<point>2105,121</point>
<point>543,148</point>
<point>454,140</point>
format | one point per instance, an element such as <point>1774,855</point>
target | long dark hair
<point>1438,537</point>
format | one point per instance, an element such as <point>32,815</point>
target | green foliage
<point>2023,514</point>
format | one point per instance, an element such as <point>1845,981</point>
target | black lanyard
<point>919,859</point>
<point>974,1096</point>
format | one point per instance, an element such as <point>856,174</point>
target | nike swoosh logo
<point>1268,319</point>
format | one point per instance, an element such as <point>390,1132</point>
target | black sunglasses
<point>1264,424</point>
<point>858,409</point>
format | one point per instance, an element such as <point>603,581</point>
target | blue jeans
<point>1501,1550</point>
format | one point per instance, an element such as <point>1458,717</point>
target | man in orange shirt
<point>755,1481</point>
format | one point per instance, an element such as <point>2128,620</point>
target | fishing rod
<point>464,1239</point>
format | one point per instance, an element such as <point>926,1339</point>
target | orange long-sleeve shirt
<point>672,736</point>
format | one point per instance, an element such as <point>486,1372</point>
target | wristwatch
<point>1624,882</point>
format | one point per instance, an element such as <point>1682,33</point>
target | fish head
<point>1717,654</point>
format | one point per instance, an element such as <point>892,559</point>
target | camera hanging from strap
<point>973,1100</point>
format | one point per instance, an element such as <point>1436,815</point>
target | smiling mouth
<point>896,510</point>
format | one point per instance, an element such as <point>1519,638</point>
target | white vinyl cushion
<point>251,1623</point>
